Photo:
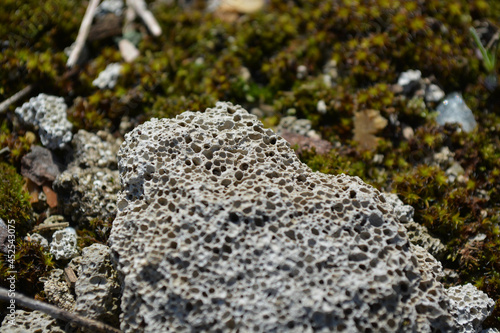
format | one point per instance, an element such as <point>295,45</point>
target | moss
<point>18,143</point>
<point>14,200</point>
<point>97,232</point>
<point>31,263</point>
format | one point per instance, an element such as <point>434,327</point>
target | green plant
<point>489,55</point>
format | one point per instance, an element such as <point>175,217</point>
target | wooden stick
<point>57,313</point>
<point>14,98</point>
<point>52,226</point>
<point>139,7</point>
<point>83,33</point>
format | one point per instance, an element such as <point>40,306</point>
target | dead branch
<point>83,33</point>
<point>57,313</point>
<point>14,98</point>
<point>139,7</point>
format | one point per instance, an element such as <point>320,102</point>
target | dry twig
<point>83,33</point>
<point>139,7</point>
<point>14,98</point>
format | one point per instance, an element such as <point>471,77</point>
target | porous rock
<point>417,233</point>
<point>28,322</point>
<point>87,189</point>
<point>470,307</point>
<point>97,289</point>
<point>48,113</point>
<point>64,245</point>
<point>37,238</point>
<point>58,291</point>
<point>221,227</point>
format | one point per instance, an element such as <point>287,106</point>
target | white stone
<point>108,77</point>
<point>433,93</point>
<point>63,245</point>
<point>48,113</point>
<point>470,307</point>
<point>454,110</point>
<point>321,106</point>
<point>409,76</point>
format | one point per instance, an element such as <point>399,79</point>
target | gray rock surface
<point>88,188</point>
<point>97,289</point>
<point>409,76</point>
<point>48,113</point>
<point>221,227</point>
<point>30,322</point>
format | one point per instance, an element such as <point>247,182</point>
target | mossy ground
<point>198,60</point>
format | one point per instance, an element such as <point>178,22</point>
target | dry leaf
<point>32,188</point>
<point>366,124</point>
<point>51,196</point>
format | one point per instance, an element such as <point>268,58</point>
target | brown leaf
<point>51,196</point>
<point>366,124</point>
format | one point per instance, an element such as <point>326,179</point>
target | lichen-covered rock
<point>88,188</point>
<point>97,289</point>
<point>58,291</point>
<point>470,307</point>
<point>28,322</point>
<point>48,113</point>
<point>221,227</point>
<point>95,150</point>
<point>63,245</point>
<point>37,238</point>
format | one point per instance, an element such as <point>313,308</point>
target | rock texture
<point>221,227</point>
<point>58,291</point>
<point>97,289</point>
<point>64,244</point>
<point>27,322</point>
<point>470,307</point>
<point>48,113</point>
<point>417,233</point>
<point>88,188</point>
